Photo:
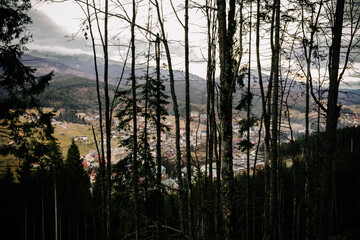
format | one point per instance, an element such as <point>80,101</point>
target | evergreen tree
<point>8,177</point>
<point>77,200</point>
<point>19,87</point>
<point>73,159</point>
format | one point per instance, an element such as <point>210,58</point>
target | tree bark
<point>274,221</point>
<point>158,134</point>
<point>102,153</point>
<point>177,117</point>
<point>248,114</point>
<point>226,33</point>
<point>134,113</point>
<point>333,110</point>
<point>187,122</point>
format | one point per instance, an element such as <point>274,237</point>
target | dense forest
<point>306,187</point>
<point>70,93</point>
<point>27,204</point>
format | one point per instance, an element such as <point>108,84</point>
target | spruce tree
<point>73,159</point>
<point>20,113</point>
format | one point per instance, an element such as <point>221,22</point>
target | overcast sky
<point>53,23</point>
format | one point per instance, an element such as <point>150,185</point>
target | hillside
<point>74,86</point>
<point>83,66</point>
<point>71,92</point>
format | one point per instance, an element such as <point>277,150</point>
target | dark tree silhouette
<point>20,113</point>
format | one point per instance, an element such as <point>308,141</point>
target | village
<point>198,136</point>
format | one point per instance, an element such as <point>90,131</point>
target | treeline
<point>33,197</point>
<point>71,116</point>
<point>70,93</point>
<point>347,139</point>
<point>54,192</point>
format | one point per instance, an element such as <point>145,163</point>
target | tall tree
<point>227,27</point>
<point>107,120</point>
<point>19,87</point>
<point>332,115</point>
<point>273,207</point>
<point>101,150</point>
<point>134,119</point>
<point>187,121</point>
<point>210,112</point>
<point>309,45</point>
<point>176,112</point>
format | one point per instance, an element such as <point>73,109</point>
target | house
<point>84,138</point>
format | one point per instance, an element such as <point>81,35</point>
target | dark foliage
<point>24,124</point>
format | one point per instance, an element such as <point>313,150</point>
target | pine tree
<point>77,200</point>
<point>19,87</point>
<point>73,159</point>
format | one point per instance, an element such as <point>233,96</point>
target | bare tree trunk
<point>248,114</point>
<point>158,134</point>
<point>102,155</point>
<point>210,118</point>
<point>274,221</point>
<point>55,208</point>
<point>146,140</point>
<point>42,214</point>
<point>176,113</point>
<point>187,122</point>
<point>25,221</point>
<point>266,120</point>
<point>134,112</point>
<point>333,110</point>
<point>226,33</point>
<point>217,138</point>
<point>107,124</point>
<point>308,50</point>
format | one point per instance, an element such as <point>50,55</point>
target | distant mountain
<point>81,68</point>
<point>71,92</point>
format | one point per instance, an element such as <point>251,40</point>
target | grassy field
<point>65,132</point>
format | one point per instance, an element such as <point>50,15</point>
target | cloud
<point>48,36</point>
<point>61,50</point>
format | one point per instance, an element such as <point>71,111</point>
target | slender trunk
<point>266,121</point>
<point>146,140</point>
<point>217,138</point>
<point>55,207</point>
<point>25,222</point>
<point>308,50</point>
<point>307,104</point>
<point>102,155</point>
<point>247,197</point>
<point>107,123</point>
<point>176,113</point>
<point>187,122</point>
<point>42,214</point>
<point>274,221</point>
<point>134,116</point>
<point>219,219</point>
<point>332,116</point>
<point>158,134</point>
<point>226,33</point>
<point>210,124</point>
<point>60,225</point>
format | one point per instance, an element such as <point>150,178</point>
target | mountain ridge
<point>82,66</point>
